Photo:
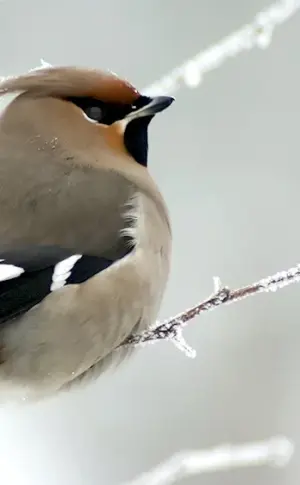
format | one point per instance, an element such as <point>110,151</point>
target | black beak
<point>159,103</point>
<point>154,105</point>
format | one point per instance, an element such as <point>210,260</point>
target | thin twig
<point>276,451</point>
<point>171,329</point>
<point>257,33</point>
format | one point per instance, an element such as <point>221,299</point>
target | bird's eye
<point>95,113</point>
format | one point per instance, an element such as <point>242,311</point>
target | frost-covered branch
<point>276,451</point>
<point>171,329</point>
<point>258,33</point>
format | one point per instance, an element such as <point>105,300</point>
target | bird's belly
<point>74,332</point>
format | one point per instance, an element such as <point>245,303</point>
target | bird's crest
<point>71,81</point>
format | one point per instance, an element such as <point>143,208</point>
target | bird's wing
<point>52,208</point>
<point>27,276</point>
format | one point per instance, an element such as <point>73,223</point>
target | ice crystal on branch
<point>276,451</point>
<point>171,329</point>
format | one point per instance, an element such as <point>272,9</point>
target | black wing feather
<point>19,294</point>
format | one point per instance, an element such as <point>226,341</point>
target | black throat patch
<point>136,139</point>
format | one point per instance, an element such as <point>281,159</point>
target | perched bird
<point>85,235</point>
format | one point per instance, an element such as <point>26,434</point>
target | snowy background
<point>226,157</point>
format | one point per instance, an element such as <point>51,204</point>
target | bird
<point>85,232</point>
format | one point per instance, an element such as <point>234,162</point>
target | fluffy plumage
<point>85,237</point>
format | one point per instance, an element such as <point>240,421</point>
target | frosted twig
<point>256,34</point>
<point>275,451</point>
<point>171,329</point>
<point>44,64</point>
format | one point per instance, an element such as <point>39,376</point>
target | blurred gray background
<point>226,157</point>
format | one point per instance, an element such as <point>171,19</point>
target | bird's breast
<point>150,230</point>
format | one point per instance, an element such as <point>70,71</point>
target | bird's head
<point>81,107</point>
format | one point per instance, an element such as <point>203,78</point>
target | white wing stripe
<point>62,271</point>
<point>9,271</point>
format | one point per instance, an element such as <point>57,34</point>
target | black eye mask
<point>106,113</point>
<point>136,133</point>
